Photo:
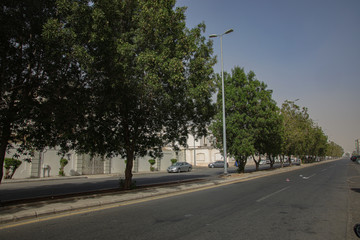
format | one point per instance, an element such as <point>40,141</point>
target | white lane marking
<point>323,170</point>
<point>257,210</point>
<point>312,175</point>
<point>308,176</point>
<point>271,194</point>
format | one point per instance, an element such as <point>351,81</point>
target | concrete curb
<point>46,208</point>
<point>23,180</point>
<point>10,181</point>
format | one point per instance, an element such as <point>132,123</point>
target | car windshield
<point>177,164</point>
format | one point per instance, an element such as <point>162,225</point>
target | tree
<point>22,73</point>
<point>274,136</point>
<point>294,134</point>
<point>63,163</point>
<point>267,125</point>
<point>334,150</point>
<point>251,116</point>
<point>152,163</point>
<point>43,90</point>
<point>11,165</point>
<point>150,76</point>
<point>302,137</point>
<point>316,142</point>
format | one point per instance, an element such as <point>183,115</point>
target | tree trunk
<point>257,163</point>
<point>130,153</point>
<point>289,159</point>
<point>4,141</point>
<point>128,169</point>
<point>272,161</point>
<point>7,173</point>
<point>12,173</point>
<point>2,158</point>
<point>241,165</point>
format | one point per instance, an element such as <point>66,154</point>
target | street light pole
<point>194,152</point>
<point>223,96</point>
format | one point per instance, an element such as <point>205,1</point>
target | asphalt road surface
<point>35,189</point>
<point>309,203</point>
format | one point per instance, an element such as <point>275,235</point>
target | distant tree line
<point>256,127</point>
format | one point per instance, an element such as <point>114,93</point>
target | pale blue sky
<point>302,49</point>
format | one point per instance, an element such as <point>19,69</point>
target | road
<point>34,189</point>
<point>309,203</point>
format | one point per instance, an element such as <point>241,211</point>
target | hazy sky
<point>302,49</point>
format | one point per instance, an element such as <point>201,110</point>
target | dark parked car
<point>217,164</point>
<point>180,167</point>
<point>355,158</point>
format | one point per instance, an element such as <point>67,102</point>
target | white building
<point>47,163</point>
<point>201,152</point>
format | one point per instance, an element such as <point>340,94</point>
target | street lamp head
<point>229,31</point>
<point>216,35</point>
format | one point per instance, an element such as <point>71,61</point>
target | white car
<point>295,161</point>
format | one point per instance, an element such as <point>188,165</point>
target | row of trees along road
<point>255,126</point>
<point>126,78</point>
<point>102,77</point>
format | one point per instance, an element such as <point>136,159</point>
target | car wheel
<point>178,170</point>
<point>189,170</point>
<point>212,166</point>
<point>357,230</point>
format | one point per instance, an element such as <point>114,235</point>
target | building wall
<point>43,164</point>
<point>199,152</point>
<point>47,164</point>
<point>117,164</point>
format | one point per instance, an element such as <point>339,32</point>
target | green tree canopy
<point>334,150</point>
<point>252,118</point>
<point>150,76</point>
<point>294,136</point>
<point>268,124</point>
<point>27,83</point>
<point>302,137</point>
